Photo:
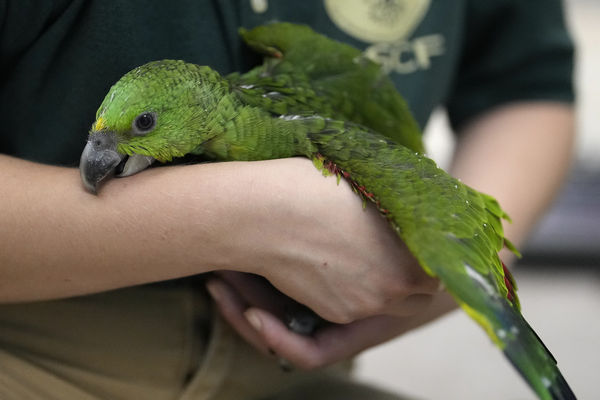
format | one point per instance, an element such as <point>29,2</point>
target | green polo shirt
<point>59,58</point>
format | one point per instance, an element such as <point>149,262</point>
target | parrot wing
<point>454,232</point>
<point>326,76</point>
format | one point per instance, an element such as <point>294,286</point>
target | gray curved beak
<point>99,159</point>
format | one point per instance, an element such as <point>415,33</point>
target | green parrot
<point>321,99</point>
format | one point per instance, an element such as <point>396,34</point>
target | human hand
<point>254,309</point>
<point>319,246</point>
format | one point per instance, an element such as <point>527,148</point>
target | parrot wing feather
<point>331,78</point>
<point>453,231</point>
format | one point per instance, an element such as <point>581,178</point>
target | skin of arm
<point>519,153</point>
<point>57,240</point>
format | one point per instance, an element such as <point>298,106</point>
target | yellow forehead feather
<point>99,124</point>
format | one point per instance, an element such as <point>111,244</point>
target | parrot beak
<point>99,159</point>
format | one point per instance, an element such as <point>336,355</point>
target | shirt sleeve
<point>514,50</point>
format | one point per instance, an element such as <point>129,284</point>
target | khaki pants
<point>150,342</point>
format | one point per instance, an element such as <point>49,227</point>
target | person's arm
<point>276,218</point>
<point>57,240</point>
<point>518,153</point>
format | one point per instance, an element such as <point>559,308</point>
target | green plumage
<point>321,74</point>
<point>321,99</point>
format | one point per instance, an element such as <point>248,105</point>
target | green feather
<point>313,72</point>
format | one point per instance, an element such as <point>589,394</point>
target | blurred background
<point>559,275</point>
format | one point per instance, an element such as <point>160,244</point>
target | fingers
<point>425,284</point>
<point>299,350</point>
<point>331,344</point>
<point>235,294</point>
<point>408,306</point>
<point>232,307</point>
<point>268,333</point>
<point>254,289</point>
<point>414,279</point>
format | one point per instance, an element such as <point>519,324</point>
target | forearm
<point>57,240</point>
<point>280,219</point>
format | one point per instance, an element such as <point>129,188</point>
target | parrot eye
<point>144,123</point>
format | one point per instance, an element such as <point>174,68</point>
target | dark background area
<point>570,233</point>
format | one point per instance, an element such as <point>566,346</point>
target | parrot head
<point>158,111</point>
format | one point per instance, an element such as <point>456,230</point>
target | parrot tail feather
<point>530,356</point>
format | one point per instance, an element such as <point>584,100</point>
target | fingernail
<point>253,319</point>
<point>214,290</point>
